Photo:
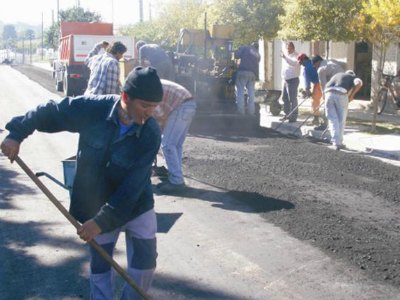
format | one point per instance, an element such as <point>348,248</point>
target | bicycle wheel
<point>382,99</point>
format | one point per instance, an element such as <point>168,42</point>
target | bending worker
<point>174,114</point>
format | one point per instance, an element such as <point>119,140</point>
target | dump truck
<point>77,39</point>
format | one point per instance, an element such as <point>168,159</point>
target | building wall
<point>272,61</point>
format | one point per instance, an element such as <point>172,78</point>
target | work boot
<point>160,171</point>
<point>170,188</point>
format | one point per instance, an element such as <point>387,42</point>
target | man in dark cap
<point>118,142</point>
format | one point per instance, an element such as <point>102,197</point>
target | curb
<point>355,144</point>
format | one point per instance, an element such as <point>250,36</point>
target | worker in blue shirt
<point>311,80</point>
<point>118,142</point>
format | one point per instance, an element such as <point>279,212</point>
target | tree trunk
<point>381,64</point>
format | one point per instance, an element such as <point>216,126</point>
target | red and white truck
<point>77,39</point>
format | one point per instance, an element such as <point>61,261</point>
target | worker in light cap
<point>118,142</point>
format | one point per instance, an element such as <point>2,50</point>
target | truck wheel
<point>68,87</point>
<point>59,86</point>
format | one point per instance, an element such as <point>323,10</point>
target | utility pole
<point>141,11</point>
<point>23,50</point>
<point>112,11</point>
<point>149,10</point>
<point>58,11</point>
<point>41,51</point>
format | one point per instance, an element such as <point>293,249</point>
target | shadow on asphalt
<point>172,287</point>
<point>249,202</point>
<point>165,221</point>
<point>236,135</point>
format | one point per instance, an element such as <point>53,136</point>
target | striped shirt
<point>174,95</point>
<point>104,73</point>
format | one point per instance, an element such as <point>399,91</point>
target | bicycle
<point>389,83</point>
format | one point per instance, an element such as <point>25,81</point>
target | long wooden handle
<point>77,225</point>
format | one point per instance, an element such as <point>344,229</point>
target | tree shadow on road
<point>27,276</point>
<point>35,263</point>
<point>10,187</point>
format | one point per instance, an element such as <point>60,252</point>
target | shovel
<point>76,224</point>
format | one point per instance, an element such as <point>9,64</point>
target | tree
<point>29,34</point>
<point>78,14</point>
<point>251,19</point>
<point>9,36</point>
<point>378,22</point>
<point>166,27</point>
<point>52,36</point>
<point>75,14</point>
<point>316,20</point>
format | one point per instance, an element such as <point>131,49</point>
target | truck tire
<point>59,86</point>
<point>68,87</point>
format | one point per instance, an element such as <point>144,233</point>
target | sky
<point>119,12</point>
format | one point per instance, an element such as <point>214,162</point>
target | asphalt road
<point>265,217</point>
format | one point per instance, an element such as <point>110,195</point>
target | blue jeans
<point>245,80</point>
<point>336,113</point>
<point>289,98</point>
<point>173,137</point>
<point>140,235</point>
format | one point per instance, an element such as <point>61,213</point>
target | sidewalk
<point>357,136</point>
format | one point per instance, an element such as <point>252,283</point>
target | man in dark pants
<point>118,142</point>
<point>247,75</point>
<point>290,76</point>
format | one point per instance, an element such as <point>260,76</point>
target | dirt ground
<point>346,204</point>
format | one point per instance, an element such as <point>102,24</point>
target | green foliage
<point>319,20</point>
<point>147,31</point>
<point>52,36</point>
<point>9,36</point>
<point>29,34</point>
<point>251,19</point>
<point>379,21</point>
<point>75,14</point>
<point>165,29</point>
<point>78,14</point>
